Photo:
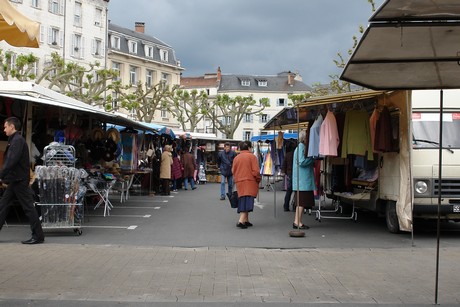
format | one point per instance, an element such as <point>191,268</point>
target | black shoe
<point>247,224</point>
<point>222,198</point>
<point>287,210</point>
<point>241,225</point>
<point>299,227</point>
<point>193,188</point>
<point>33,241</point>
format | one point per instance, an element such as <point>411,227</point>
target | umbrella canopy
<point>16,29</point>
<point>409,45</point>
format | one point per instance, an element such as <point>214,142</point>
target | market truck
<point>402,184</point>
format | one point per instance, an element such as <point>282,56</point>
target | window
<point>281,102</point>
<point>245,82</point>
<point>247,135</point>
<point>262,83</point>
<point>77,15</point>
<point>248,118</point>
<point>165,78</point>
<point>117,67</point>
<point>54,37</point>
<point>76,46</point>
<point>56,7</point>
<point>114,100</point>
<point>227,120</point>
<point>263,118</point>
<point>115,42</point>
<point>98,17</point>
<point>133,75</point>
<point>149,51</point>
<point>164,113</point>
<point>16,1</point>
<point>97,48</point>
<point>149,78</point>
<point>164,55</point>
<point>132,46</point>
<point>35,4</point>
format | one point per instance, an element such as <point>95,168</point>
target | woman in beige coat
<point>165,169</point>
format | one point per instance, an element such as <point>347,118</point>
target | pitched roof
<point>191,82</point>
<point>259,83</point>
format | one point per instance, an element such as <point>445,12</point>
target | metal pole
<point>438,228</point>
<point>274,175</point>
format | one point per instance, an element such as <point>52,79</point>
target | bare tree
<point>227,112</point>
<point>144,100</point>
<point>187,107</point>
<point>20,67</point>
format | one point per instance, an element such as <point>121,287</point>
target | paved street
<point>184,250</point>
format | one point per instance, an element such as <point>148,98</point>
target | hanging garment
<point>268,166</point>
<point>356,135</point>
<point>313,147</point>
<point>329,136</point>
<point>383,132</point>
<point>373,126</point>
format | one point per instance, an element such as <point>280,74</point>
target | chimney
<point>291,78</point>
<point>139,26</point>
<point>219,74</point>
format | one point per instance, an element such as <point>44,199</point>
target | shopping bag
<point>233,198</point>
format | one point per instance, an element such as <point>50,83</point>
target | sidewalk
<point>161,274</point>
<point>185,250</point>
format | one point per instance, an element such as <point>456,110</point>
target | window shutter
<point>61,38</point>
<point>252,118</point>
<point>93,46</point>
<point>74,45</point>
<point>61,7</point>
<point>82,47</point>
<point>50,5</point>
<point>42,33</point>
<point>50,35</point>
<point>102,50</point>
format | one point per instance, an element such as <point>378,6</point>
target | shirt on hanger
<point>356,134</point>
<point>313,147</point>
<point>329,136</point>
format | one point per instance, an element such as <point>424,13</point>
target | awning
<point>28,91</point>
<point>286,119</point>
<point>271,137</point>
<point>411,44</point>
<point>15,28</point>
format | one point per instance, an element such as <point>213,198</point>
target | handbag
<point>150,151</point>
<point>233,198</point>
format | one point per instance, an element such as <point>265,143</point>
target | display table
<point>134,180</point>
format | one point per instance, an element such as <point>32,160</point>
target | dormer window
<point>245,82</point>
<point>115,41</point>
<point>164,55</point>
<point>149,51</point>
<point>262,83</point>
<point>132,46</point>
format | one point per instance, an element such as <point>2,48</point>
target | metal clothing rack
<point>60,191</point>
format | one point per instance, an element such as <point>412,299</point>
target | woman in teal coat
<point>303,180</point>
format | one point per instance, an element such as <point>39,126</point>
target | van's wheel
<point>391,217</point>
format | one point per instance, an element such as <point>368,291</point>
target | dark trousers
<point>22,191</point>
<point>287,196</point>
<point>166,186</point>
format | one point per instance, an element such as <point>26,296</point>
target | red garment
<point>176,169</point>
<point>246,174</point>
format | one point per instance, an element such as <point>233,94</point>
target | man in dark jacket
<point>225,161</point>
<point>15,173</point>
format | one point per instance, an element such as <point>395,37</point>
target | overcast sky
<point>256,37</point>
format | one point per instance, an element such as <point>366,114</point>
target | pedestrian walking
<point>16,174</point>
<point>165,170</point>
<point>247,176</point>
<point>303,180</point>
<point>225,161</point>
<point>188,160</point>
<point>176,171</point>
<point>286,169</point>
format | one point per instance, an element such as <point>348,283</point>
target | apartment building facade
<point>276,88</point>
<point>75,29</point>
<point>141,57</point>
